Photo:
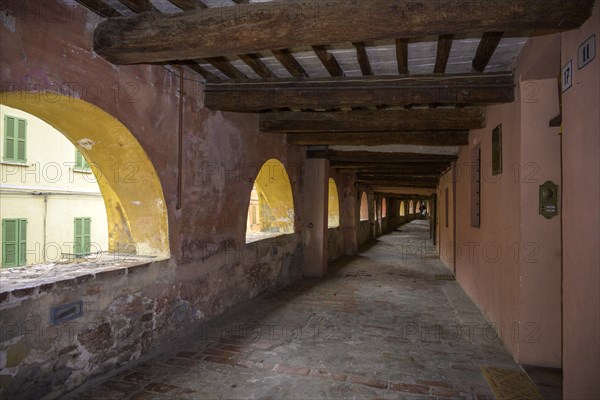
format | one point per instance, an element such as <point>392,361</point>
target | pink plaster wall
<point>581,219</point>
<point>539,330</point>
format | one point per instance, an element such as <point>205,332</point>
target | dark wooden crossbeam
<point>363,58</point>
<point>379,157</point>
<point>194,66</point>
<point>100,8</point>
<point>257,65</point>
<point>443,53</point>
<point>383,169</point>
<point>139,6</point>
<point>223,65</point>
<point>340,92</point>
<point>289,62</point>
<point>402,56</point>
<point>189,4</point>
<point>487,46</point>
<point>154,37</point>
<point>421,138</point>
<point>373,120</point>
<point>329,61</point>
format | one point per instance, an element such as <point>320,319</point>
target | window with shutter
<point>83,228</point>
<point>14,242</point>
<point>15,139</point>
<point>80,162</point>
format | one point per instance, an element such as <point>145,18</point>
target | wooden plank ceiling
<point>416,73</point>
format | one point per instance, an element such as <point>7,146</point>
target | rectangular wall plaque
<point>66,312</point>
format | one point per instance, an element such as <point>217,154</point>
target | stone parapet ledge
<point>17,283</point>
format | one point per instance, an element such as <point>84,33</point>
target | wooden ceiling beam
<point>196,67</point>
<point>363,58</point>
<point>100,8</point>
<point>340,92</point>
<point>223,65</point>
<point>139,6</point>
<point>213,32</point>
<point>329,61</point>
<point>419,138</point>
<point>487,46</point>
<point>189,4</point>
<point>379,157</point>
<point>373,120</point>
<point>257,65</point>
<point>289,62</point>
<point>407,170</point>
<point>444,46</point>
<point>402,56</point>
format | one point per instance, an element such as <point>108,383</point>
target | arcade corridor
<point>382,324</point>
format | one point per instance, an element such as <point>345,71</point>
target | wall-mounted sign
<point>567,76</point>
<point>586,52</point>
<point>549,199</point>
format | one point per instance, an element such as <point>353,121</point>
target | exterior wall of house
<point>49,191</point>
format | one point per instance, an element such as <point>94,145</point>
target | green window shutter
<point>9,242</point>
<point>20,149</point>
<point>22,242</point>
<point>87,235</point>
<point>78,236</point>
<point>80,161</point>
<point>9,138</point>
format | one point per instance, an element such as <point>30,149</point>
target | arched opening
<point>383,208</point>
<point>364,207</point>
<point>333,208</point>
<point>271,207</point>
<point>402,209</point>
<point>126,177</point>
<point>411,208</point>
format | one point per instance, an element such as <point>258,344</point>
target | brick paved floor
<point>380,325</point>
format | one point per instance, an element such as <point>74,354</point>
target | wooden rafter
<point>329,61</point>
<point>154,37</point>
<point>257,65</point>
<point>285,57</point>
<point>363,58</point>
<point>487,46</point>
<point>100,8</point>
<point>189,4</point>
<point>443,53</point>
<point>139,6</point>
<point>223,65</point>
<point>402,56</point>
<point>420,138</point>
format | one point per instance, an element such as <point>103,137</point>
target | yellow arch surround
<point>333,208</point>
<point>127,179</point>
<point>402,209</point>
<point>276,201</point>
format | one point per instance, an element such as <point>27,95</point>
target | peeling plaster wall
<point>46,47</point>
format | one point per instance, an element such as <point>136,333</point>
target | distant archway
<point>383,208</point>
<point>127,179</point>
<point>364,207</point>
<point>411,208</point>
<point>402,209</point>
<point>271,206</point>
<point>333,208</point>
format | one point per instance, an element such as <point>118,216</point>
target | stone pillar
<point>314,232</point>
<point>348,217</point>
